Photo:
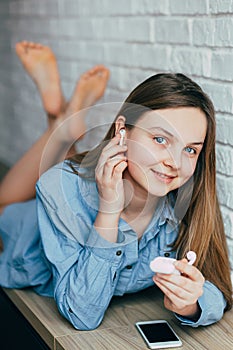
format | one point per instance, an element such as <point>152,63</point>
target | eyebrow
<point>173,136</point>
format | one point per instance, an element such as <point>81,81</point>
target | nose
<point>172,159</point>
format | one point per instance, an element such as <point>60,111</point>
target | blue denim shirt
<point>63,255</point>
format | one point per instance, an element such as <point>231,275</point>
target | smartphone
<point>158,334</point>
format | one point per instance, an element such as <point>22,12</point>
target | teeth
<point>162,175</point>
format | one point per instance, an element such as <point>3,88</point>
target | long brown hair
<point>201,228</point>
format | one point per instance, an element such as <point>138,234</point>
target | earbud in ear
<point>122,133</point>
<point>191,256</point>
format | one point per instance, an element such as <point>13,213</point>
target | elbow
<point>83,317</point>
<point>86,323</point>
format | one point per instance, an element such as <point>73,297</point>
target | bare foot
<point>40,63</point>
<point>89,89</point>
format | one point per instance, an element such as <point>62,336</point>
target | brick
<point>221,67</point>
<point>203,32</point>
<point>117,8</point>
<point>36,25</point>
<point>76,28</point>
<point>119,78</point>
<point>151,57</point>
<point>191,61</point>
<point>136,29</point>
<point>213,32</point>
<point>224,185</point>
<point>119,29</point>
<point>119,54</point>
<point>46,8</point>
<point>224,159</point>
<point>188,7</point>
<point>224,129</point>
<point>223,35</point>
<point>100,8</point>
<point>150,7</point>
<point>70,8</point>
<point>221,6</point>
<point>87,51</point>
<point>221,95</point>
<point>103,8</point>
<point>172,31</point>
<point>228,223</point>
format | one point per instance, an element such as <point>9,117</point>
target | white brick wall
<point>134,38</point>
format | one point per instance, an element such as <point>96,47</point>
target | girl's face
<point>163,149</point>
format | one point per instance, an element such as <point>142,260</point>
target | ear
<point>119,123</point>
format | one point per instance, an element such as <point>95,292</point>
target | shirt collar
<point>168,213</point>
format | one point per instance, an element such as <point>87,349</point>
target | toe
<point>20,48</point>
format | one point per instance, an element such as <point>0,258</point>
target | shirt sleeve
<point>85,271</point>
<point>212,305</point>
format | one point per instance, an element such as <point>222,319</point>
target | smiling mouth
<point>163,177</point>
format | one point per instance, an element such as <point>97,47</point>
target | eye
<point>190,150</point>
<point>161,140</point>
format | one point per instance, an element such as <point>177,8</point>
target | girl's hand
<point>182,291</point>
<point>109,170</point>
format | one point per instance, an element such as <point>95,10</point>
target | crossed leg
<point>40,63</point>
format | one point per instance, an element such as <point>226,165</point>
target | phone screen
<point>158,332</point>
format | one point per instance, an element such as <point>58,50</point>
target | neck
<point>137,200</point>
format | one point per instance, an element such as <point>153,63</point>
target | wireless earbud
<point>191,256</point>
<point>122,133</point>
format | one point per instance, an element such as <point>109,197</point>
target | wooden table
<point>117,331</point>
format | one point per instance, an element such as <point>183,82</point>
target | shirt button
<point>118,253</point>
<point>129,267</point>
<point>166,254</point>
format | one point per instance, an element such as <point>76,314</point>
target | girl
<point>102,216</point>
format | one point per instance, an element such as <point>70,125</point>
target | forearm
<point>84,292</point>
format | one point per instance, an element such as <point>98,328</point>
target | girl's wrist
<point>110,211</point>
<point>192,312</point>
<point>107,226</point>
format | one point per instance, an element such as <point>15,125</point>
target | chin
<point>159,192</point>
